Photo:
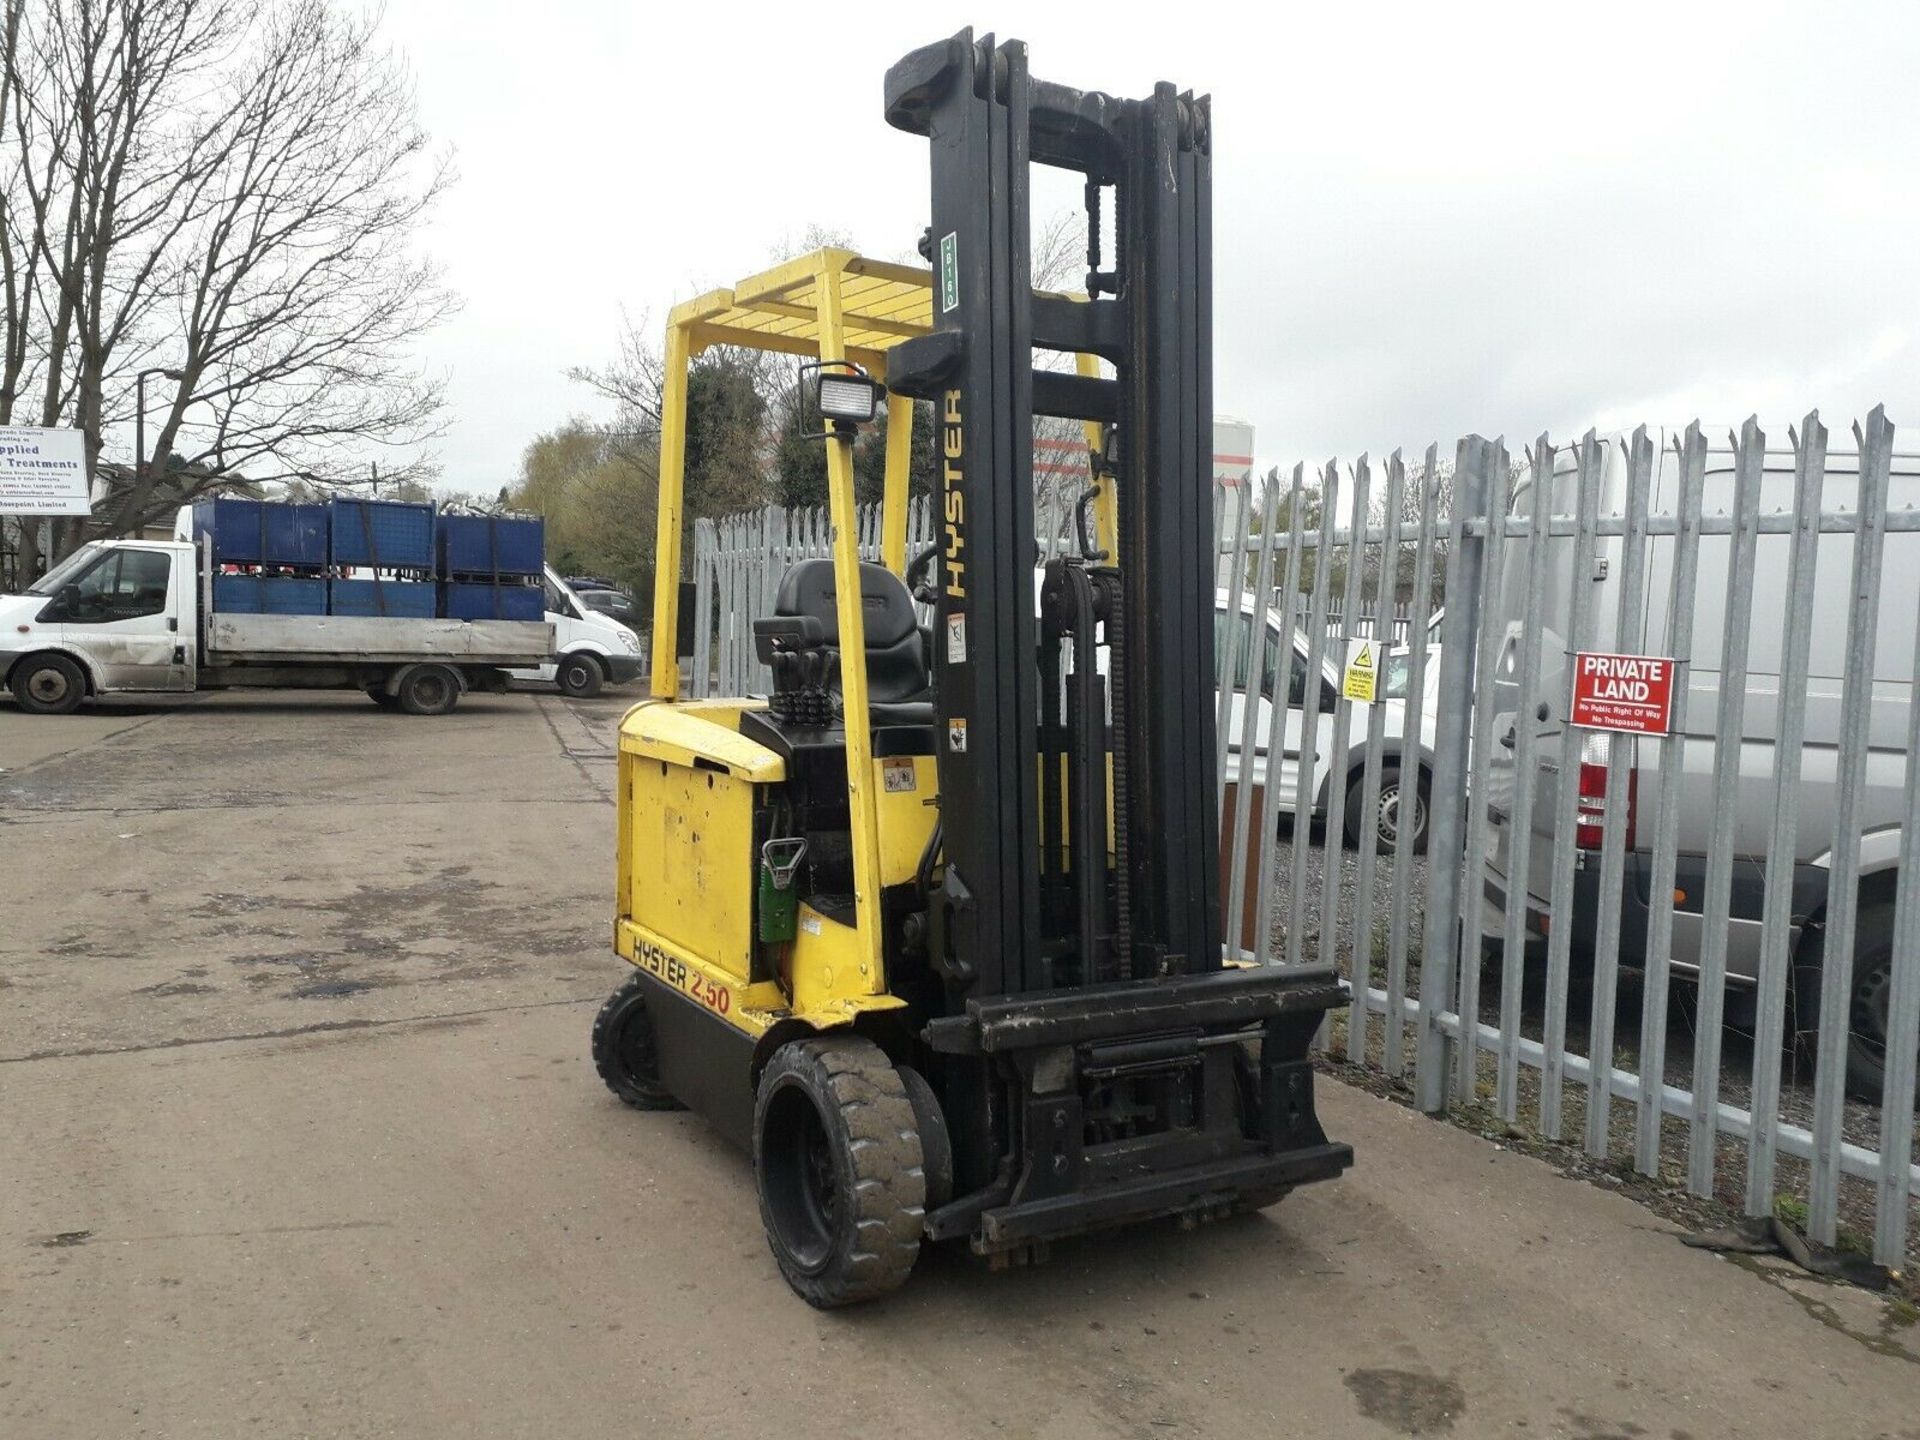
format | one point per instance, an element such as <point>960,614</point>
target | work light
<point>847,398</point>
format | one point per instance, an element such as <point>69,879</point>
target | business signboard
<point>43,472</point>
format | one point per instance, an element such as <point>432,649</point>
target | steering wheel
<point>917,577</point>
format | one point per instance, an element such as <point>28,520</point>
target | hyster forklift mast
<point>988,121</point>
<point>1025,905</point>
<point>934,926</point>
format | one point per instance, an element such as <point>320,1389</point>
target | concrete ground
<point>298,1136</point>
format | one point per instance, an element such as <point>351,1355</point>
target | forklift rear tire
<point>428,690</point>
<point>837,1156</point>
<point>49,685</point>
<point>623,1049</point>
<point>579,677</point>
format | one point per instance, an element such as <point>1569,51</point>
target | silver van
<point>1879,832</point>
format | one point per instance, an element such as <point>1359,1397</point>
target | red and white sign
<point>1633,693</point>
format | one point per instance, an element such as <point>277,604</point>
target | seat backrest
<point>896,655</point>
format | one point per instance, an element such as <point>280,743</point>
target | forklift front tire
<point>623,1049</point>
<point>837,1156</point>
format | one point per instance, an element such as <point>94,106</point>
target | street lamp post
<point>140,416</point>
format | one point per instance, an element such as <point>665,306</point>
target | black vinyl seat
<point>899,688</point>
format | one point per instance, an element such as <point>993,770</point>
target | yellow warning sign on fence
<point>1361,681</point>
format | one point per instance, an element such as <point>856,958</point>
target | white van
<point>590,649</point>
<point>1398,758</point>
<point>1879,836</point>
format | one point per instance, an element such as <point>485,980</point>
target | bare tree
<point>228,191</point>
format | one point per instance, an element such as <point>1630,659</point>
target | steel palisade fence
<point>1383,534</point>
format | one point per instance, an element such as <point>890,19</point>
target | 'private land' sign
<point>1633,693</point>
<point>43,472</point>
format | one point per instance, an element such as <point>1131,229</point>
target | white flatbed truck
<point>137,616</point>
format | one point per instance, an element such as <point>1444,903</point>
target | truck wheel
<point>1397,806</point>
<point>838,1160</point>
<point>378,694</point>
<point>623,1049</point>
<point>579,677</point>
<point>428,690</point>
<point>49,685</point>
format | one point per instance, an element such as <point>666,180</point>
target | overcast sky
<point>1429,218</point>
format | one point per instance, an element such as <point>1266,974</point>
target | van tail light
<point>1591,816</point>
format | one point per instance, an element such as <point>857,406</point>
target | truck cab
<point>111,616</point>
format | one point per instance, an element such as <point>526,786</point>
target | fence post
<point>1386,580</point>
<point>705,544</point>
<point>1777,895</point>
<point>1472,489</point>
<point>1658,969</point>
<point>1426,534</point>
<point>1592,460</point>
<point>1903,1000</point>
<point>1310,721</point>
<point>1277,729</point>
<point>1843,880</point>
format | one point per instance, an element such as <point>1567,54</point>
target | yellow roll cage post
<point>829,305</point>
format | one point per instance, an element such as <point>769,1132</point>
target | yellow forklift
<point>871,941</point>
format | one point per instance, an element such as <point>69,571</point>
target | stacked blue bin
<point>468,600</point>
<point>382,534</point>
<point>269,595</point>
<point>491,567</point>
<point>255,532</point>
<point>401,599</point>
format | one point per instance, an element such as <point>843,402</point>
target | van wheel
<point>579,677</point>
<point>1398,806</point>
<point>428,690</point>
<point>1869,1010</point>
<point>837,1156</point>
<point>49,685</point>
<point>1868,1007</point>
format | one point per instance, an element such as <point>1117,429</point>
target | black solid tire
<point>837,1159</point>
<point>49,685</point>
<point>378,694</point>
<point>623,1049</point>
<point>428,690</point>
<point>936,1144</point>
<point>1390,795</point>
<point>579,677</point>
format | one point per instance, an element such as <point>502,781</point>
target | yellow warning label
<point>1360,682</point>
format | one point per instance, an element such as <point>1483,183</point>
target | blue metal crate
<point>269,595</point>
<point>236,594</point>
<point>410,599</point>
<point>253,532</point>
<point>462,601</point>
<point>476,545</point>
<point>385,534</point>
